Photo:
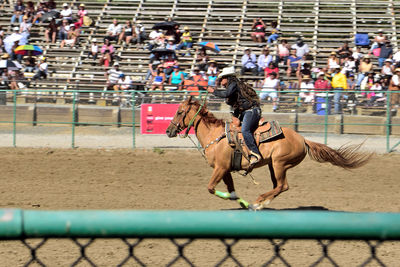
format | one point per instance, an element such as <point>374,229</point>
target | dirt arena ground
<point>177,179</point>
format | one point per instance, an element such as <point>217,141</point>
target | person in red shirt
<point>271,68</point>
<point>322,84</point>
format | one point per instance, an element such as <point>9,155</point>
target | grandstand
<point>324,25</point>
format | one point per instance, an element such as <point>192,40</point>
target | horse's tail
<point>347,157</point>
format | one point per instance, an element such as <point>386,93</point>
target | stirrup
<point>254,158</point>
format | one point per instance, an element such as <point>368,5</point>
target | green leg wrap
<point>243,203</point>
<point>223,195</point>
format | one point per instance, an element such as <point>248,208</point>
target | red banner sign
<point>155,118</point>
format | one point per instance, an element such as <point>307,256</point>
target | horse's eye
<point>179,112</point>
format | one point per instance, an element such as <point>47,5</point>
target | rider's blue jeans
<point>250,120</point>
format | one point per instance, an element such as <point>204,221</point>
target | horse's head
<point>182,117</point>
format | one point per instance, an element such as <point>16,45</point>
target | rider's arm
<point>232,87</point>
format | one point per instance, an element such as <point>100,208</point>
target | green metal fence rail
<point>323,226</point>
<point>388,124</point>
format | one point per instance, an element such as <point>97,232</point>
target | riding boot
<point>254,158</point>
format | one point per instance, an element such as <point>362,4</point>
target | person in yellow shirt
<point>339,83</point>
<point>186,41</point>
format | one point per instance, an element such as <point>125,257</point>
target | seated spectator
<point>394,85</point>
<point>42,69</point>
<point>113,31</point>
<point>368,81</point>
<point>140,34</point>
<point>301,48</point>
<point>357,55</point>
<point>396,58</point>
<point>385,53</point>
<point>199,80</point>
<point>63,31</point>
<point>13,55</point>
<point>15,78</point>
<point>212,79</point>
<point>186,41</point>
<point>113,76</point>
<point>380,38</point>
<point>349,65</point>
<point>274,32</point>
<point>263,60</point>
<point>19,10</point>
<point>270,89</point>
<point>174,33</point>
<point>376,92</point>
<point>171,44</point>
<point>25,28</point>
<point>332,61</point>
<point>249,62</point>
<point>124,83</point>
<point>94,50</point>
<point>177,78</point>
<point>364,68</point>
<point>343,52</point>
<point>202,59</point>
<point>107,53</point>
<point>154,62</point>
<point>158,79</point>
<point>40,11</point>
<point>169,64</point>
<point>30,64</point>
<point>258,28</point>
<point>306,89</point>
<point>387,69</point>
<point>154,36</point>
<point>212,68</point>
<point>272,68</point>
<point>72,37</point>
<point>283,52</point>
<point>127,33</point>
<point>30,11</point>
<point>293,63</point>
<point>66,12</point>
<point>51,31</point>
<point>82,12</point>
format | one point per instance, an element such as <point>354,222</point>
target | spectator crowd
<point>280,65</point>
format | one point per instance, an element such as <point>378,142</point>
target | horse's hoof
<point>243,203</point>
<point>255,207</point>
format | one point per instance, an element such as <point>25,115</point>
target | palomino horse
<point>280,154</point>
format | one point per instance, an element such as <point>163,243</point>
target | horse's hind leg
<point>278,177</point>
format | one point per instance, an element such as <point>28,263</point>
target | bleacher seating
<point>324,25</point>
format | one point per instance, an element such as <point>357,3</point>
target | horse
<point>280,154</point>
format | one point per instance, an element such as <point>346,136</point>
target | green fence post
<point>388,107</point>
<point>133,120</point>
<point>15,118</point>
<point>73,119</point>
<point>327,110</point>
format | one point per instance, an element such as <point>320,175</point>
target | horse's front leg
<point>231,194</point>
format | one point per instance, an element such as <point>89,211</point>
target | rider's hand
<point>210,89</point>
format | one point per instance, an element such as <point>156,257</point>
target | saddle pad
<point>274,131</point>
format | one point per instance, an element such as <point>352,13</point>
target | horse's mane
<point>208,117</point>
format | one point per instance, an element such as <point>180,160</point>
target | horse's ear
<point>190,99</point>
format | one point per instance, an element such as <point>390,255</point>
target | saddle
<point>266,131</point>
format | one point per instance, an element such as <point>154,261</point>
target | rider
<point>246,107</point>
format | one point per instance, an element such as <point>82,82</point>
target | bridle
<point>180,126</point>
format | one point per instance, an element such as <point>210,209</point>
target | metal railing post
<point>15,118</point>
<point>73,119</point>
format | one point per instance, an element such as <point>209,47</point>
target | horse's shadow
<point>300,208</point>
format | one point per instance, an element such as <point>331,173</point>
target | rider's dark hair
<point>245,89</point>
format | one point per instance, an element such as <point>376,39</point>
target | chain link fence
<point>198,238</point>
